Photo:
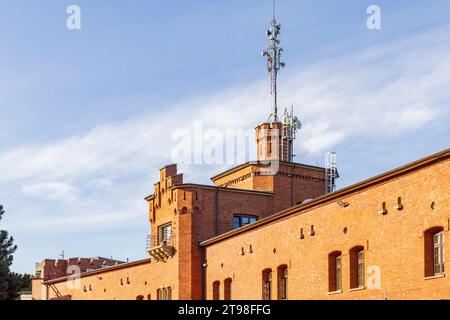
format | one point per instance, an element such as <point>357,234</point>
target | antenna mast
<point>274,64</point>
<point>289,123</point>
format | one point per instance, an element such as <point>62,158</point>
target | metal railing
<point>155,241</point>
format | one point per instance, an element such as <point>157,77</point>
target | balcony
<point>160,249</point>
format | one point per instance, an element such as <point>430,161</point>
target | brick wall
<point>393,242</point>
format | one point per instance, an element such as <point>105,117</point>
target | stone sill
<point>357,289</point>
<point>434,277</point>
<point>335,292</point>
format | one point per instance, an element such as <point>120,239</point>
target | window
<point>339,273</point>
<point>242,220</point>
<point>357,279</point>
<point>267,284</point>
<point>140,298</point>
<point>438,253</point>
<point>361,277</point>
<point>434,252</point>
<point>335,271</point>
<point>282,282</point>
<point>227,289</point>
<point>216,290</point>
<point>163,294</point>
<point>164,234</point>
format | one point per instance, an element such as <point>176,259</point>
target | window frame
<point>240,218</point>
<point>361,273</point>
<point>282,272</point>
<point>335,272</point>
<point>434,252</point>
<point>438,253</point>
<point>357,268</point>
<point>216,290</point>
<point>267,284</point>
<point>164,236</point>
<point>227,288</point>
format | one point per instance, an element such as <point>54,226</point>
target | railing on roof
<point>160,249</point>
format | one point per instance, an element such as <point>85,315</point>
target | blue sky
<point>87,115</point>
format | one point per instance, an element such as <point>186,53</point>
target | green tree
<point>17,283</point>
<point>7,248</point>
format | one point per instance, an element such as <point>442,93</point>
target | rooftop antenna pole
<point>273,11</point>
<point>274,64</point>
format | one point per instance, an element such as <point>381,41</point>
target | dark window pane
<point>236,222</point>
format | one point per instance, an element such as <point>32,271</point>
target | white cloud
<point>57,191</point>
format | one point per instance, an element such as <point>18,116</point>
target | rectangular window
<point>361,269</point>
<point>164,234</point>
<point>438,253</point>
<point>240,220</point>
<point>339,273</point>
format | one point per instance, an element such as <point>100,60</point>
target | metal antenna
<point>274,64</point>
<point>273,11</point>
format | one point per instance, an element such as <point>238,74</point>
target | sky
<point>88,116</point>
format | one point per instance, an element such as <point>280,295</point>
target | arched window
<point>282,272</point>
<point>335,271</point>
<point>434,251</point>
<point>357,278</point>
<point>216,290</point>
<point>267,284</point>
<point>140,298</point>
<point>227,289</point>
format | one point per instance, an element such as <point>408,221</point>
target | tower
<point>275,138</point>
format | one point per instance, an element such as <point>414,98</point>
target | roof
<point>168,166</point>
<point>102,270</point>
<point>202,186</point>
<point>335,196</point>
<point>194,185</point>
<point>250,163</point>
